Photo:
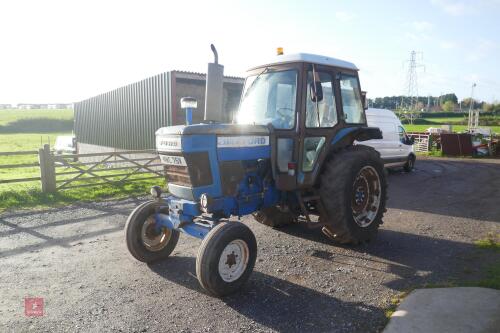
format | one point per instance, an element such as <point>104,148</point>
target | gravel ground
<point>76,260</point>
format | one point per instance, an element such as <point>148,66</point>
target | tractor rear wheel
<point>273,217</point>
<point>353,190</point>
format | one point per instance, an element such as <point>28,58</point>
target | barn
<point>127,118</point>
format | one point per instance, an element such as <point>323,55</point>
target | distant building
<point>5,106</point>
<point>59,106</point>
<point>23,106</point>
<point>50,106</point>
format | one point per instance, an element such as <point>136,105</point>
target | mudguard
<point>348,135</point>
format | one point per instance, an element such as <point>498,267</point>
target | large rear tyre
<point>226,258</point>
<point>273,217</point>
<point>144,242</point>
<point>353,190</point>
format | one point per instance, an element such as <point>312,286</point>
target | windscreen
<point>269,98</point>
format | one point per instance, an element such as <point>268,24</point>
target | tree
<point>448,106</point>
<point>448,97</point>
<point>466,103</point>
<point>487,107</point>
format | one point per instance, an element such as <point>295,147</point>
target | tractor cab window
<point>269,98</point>
<point>322,113</point>
<point>351,100</point>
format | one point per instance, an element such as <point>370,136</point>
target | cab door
<point>320,119</point>
<point>284,98</point>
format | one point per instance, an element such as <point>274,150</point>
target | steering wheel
<point>285,119</point>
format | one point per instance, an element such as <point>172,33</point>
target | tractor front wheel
<point>226,258</point>
<point>145,241</point>
<point>353,191</point>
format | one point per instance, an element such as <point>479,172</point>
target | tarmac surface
<point>458,310</point>
<point>74,258</point>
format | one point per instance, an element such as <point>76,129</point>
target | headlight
<point>204,201</point>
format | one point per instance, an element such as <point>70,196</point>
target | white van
<point>396,148</point>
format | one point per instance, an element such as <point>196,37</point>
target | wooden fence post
<point>47,170</point>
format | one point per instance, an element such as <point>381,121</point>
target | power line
<point>411,87</point>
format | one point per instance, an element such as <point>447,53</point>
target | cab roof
<point>311,58</point>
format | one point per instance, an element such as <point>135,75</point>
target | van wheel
<point>410,163</point>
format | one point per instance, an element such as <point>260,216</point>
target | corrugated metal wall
<point>126,117</point>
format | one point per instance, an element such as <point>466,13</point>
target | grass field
<point>456,122</point>
<point>456,128</point>
<point>13,115</point>
<point>23,130</point>
<point>27,141</point>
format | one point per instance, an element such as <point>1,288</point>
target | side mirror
<point>316,91</point>
<point>364,100</point>
<point>410,140</point>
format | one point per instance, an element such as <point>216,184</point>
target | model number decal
<point>242,141</point>
<point>168,143</point>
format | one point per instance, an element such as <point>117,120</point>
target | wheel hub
<point>152,238</point>
<point>366,196</point>
<point>360,195</point>
<point>233,260</point>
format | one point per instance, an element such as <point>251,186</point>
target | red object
<point>292,165</point>
<point>33,306</point>
<point>456,144</point>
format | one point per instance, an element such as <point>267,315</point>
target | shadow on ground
<point>95,211</point>
<point>413,259</point>
<point>278,304</point>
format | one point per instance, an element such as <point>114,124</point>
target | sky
<point>69,50</point>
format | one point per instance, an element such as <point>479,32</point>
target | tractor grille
<point>177,175</point>
<point>196,173</point>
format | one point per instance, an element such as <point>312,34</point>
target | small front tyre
<point>144,241</point>
<point>226,258</point>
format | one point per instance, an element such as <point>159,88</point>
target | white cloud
<point>447,45</point>
<point>452,7</point>
<point>344,16</point>
<point>482,50</point>
<point>418,31</point>
<point>471,77</point>
<point>422,26</point>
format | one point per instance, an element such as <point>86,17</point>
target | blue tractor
<point>292,154</point>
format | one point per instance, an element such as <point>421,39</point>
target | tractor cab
<point>306,100</point>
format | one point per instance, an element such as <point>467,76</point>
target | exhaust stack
<point>214,91</point>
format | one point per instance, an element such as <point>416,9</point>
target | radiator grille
<point>196,173</point>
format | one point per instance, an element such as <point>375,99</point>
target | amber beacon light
<point>279,50</point>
